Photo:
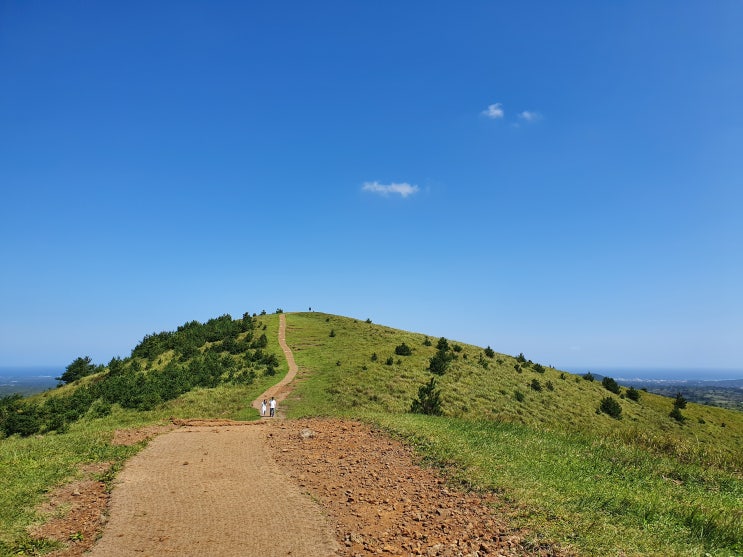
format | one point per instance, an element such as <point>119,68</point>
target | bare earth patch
<point>382,502</point>
<point>128,437</point>
<point>75,512</point>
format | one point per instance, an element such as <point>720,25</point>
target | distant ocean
<point>28,380</point>
<point>663,374</point>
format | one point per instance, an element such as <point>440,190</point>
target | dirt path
<point>215,490</point>
<point>201,491</point>
<point>281,389</point>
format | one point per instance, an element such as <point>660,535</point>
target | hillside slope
<point>479,387</point>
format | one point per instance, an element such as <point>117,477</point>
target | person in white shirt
<point>272,406</point>
<point>263,407</point>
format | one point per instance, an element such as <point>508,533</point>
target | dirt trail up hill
<point>309,488</point>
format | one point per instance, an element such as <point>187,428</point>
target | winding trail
<point>214,490</point>
<point>281,389</point>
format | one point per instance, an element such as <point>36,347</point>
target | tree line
<point>205,355</point>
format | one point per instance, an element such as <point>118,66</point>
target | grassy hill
<point>643,484</point>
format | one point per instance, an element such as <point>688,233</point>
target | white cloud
<point>530,116</point>
<point>403,190</point>
<point>494,111</point>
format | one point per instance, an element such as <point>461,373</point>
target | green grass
<point>642,485</point>
<point>30,467</point>
<point>582,491</point>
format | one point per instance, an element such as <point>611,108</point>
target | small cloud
<point>403,190</point>
<point>530,116</point>
<point>494,111</point>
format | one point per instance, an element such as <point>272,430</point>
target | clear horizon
<point>557,179</point>
<point>661,374</point>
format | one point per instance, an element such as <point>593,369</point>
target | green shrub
<point>79,368</point>
<point>489,352</point>
<point>518,395</point>
<point>429,400</point>
<point>535,385</point>
<point>403,350</point>
<point>677,415</point>
<point>539,368</point>
<point>374,357</point>
<point>439,363</point>
<point>390,361</point>
<point>427,342</point>
<point>680,401</point>
<point>588,376</point>
<point>332,333</point>
<point>633,394</point>
<point>611,385</point>
<point>611,406</point>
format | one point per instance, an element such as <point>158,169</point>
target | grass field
<point>642,485</point>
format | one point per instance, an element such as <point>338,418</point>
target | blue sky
<point>562,179</point>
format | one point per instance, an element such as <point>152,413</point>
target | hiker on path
<point>272,405</point>
<point>263,407</point>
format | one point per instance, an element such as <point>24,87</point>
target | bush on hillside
<point>680,401</point>
<point>535,385</point>
<point>439,363</point>
<point>262,342</point>
<point>539,368</point>
<point>677,415</point>
<point>521,358</point>
<point>429,400</point>
<point>403,350</point>
<point>633,394</point>
<point>610,406</point>
<point>518,395</point>
<point>442,345</point>
<point>489,352</point>
<point>611,385</point>
<point>589,376</point>
<point>79,368</point>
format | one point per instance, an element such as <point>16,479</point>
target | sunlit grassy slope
<point>642,485</point>
<point>345,379</point>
